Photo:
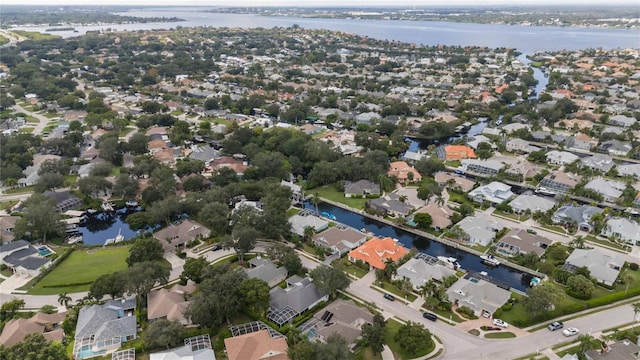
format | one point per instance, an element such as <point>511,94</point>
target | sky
<point>316,3</point>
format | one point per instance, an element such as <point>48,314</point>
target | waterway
<point>468,261</point>
<point>526,39</point>
<point>102,226</point>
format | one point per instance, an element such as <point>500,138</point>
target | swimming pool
<point>45,251</point>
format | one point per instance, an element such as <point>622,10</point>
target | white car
<point>498,322</point>
<point>570,331</point>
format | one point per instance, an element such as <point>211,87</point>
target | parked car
<point>430,316</point>
<point>531,231</point>
<point>216,247</point>
<point>493,328</point>
<point>498,322</point>
<point>570,331</point>
<point>389,297</point>
<point>555,325</point>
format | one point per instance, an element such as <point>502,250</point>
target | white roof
<point>531,202</point>
<point>627,229</point>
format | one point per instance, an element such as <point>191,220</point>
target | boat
<point>450,261</point>
<point>117,239</point>
<point>132,203</point>
<point>490,260</point>
<point>74,239</point>
<point>328,215</point>
<point>107,206</point>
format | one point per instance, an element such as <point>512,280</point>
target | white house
<point>560,157</point>
<point>622,229</point>
<point>495,192</point>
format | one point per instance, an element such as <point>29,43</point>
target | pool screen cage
<point>254,326</point>
<point>198,342</point>
<point>126,354</point>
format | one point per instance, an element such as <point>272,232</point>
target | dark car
<point>556,325</point>
<point>389,297</point>
<point>216,247</point>
<point>430,316</point>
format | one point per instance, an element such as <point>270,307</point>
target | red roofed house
<point>238,166</point>
<point>401,171</point>
<point>376,251</point>
<point>458,152</point>
<point>502,88</point>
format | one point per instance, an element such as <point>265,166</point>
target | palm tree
<point>316,199</point>
<point>390,269</point>
<point>64,299</point>
<point>578,242</point>
<point>428,289</point>
<point>308,233</point>
<point>636,310</point>
<point>440,201</point>
<point>585,343</point>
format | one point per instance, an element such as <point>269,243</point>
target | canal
<point>102,226</point>
<point>468,261</point>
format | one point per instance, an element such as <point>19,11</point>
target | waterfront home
<point>615,147</point>
<point>482,167</point>
<point>622,120</point>
<point>342,317</point>
<point>581,142</point>
<point>32,173</point>
<point>170,304</point>
<point>440,215</point>
<point>300,295</point>
<point>475,141</point>
<point>599,162</point>
<point>194,348</point>
<point>623,229</point>
<point>577,215</point>
<point>179,233</point>
<point>609,189</point>
<point>479,229</point>
<point>602,267</point>
<point>101,329</point>
<point>361,188</point>
<point>519,241</point>
<point>238,166</point>
<point>520,145</point>
<point>257,345</point>
<point>494,192</point>
<point>304,220</point>
<point>455,152</point>
<point>620,350</point>
<point>63,200</point>
<point>49,325</point>
<point>340,239</point>
<point>403,172</point>
<point>629,170</point>
<point>376,252</point>
<point>23,259</point>
<point>555,157</point>
<point>559,182</point>
<point>481,296</point>
<point>460,183</point>
<point>264,269</point>
<point>419,272</point>
<point>389,205</point>
<point>531,203</point>
<point>297,194</point>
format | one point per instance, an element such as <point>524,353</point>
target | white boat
<point>74,239</point>
<point>107,206</point>
<point>117,239</point>
<point>450,261</point>
<point>490,260</point>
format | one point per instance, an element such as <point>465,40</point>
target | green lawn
<point>514,217</point>
<point>20,190</point>
<point>126,131</point>
<point>500,335</point>
<point>80,269</point>
<point>6,205</point>
<point>399,352</point>
<point>26,129</point>
<point>292,211</point>
<point>331,193</point>
<point>394,290</point>
<point>606,243</point>
<point>351,269</point>
<point>449,315</point>
<point>35,36</point>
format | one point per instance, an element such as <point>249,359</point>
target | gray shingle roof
<point>106,321</point>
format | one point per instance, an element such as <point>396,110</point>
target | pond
<point>514,278</point>
<point>106,225</point>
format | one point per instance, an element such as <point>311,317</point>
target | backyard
<point>331,193</point>
<point>80,269</point>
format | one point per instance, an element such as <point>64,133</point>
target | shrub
<point>633,266</point>
<point>467,312</point>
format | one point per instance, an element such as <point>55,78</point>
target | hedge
<point>68,284</point>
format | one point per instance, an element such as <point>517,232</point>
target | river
<point>526,39</point>
<point>467,260</point>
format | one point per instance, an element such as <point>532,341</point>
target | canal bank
<point>516,276</point>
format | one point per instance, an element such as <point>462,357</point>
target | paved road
<point>42,120</point>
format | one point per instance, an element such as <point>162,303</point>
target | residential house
<point>303,220</point>
<point>455,152</point>
<point>618,228</point>
<point>558,182</point>
<point>620,350</point>
<point>7,224</point>
<point>615,147</point>
<point>602,267</point>
<point>622,120</point>
<point>519,241</point>
<point>31,173</point>
<point>415,156</point>
<point>494,192</point>
<point>440,215</point>
<point>390,205</point>
<point>342,317</point>
<point>479,229</point>
<point>300,295</point>
<point>475,141</point>
<point>401,170</point>
<point>263,269</point>
<point>598,162</point>
<point>629,170</point>
<point>257,345</point>
<point>49,325</point>
<point>195,348</point>
<point>361,188</point>
<point>609,189</point>
<point>454,182</point>
<point>101,329</point>
<point>23,259</point>
<point>581,142</point>
<point>297,194</point>
<point>479,295</point>
<point>531,203</point>
<point>340,239</point>
<point>204,153</point>
<point>376,252</point>
<point>560,157</point>
<point>64,200</point>
<point>482,167</point>
<point>239,166</point>
<point>579,216</point>
<point>169,304</point>
<point>179,233</point>
<point>419,271</point>
<point>520,145</point>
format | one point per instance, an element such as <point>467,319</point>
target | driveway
<point>412,196</point>
<point>42,120</point>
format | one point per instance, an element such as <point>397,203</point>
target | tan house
<point>455,182</point>
<point>178,234</point>
<point>169,304</point>
<point>440,215</point>
<point>257,345</point>
<point>340,239</point>
<point>46,324</point>
<point>7,223</point>
<point>401,171</point>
